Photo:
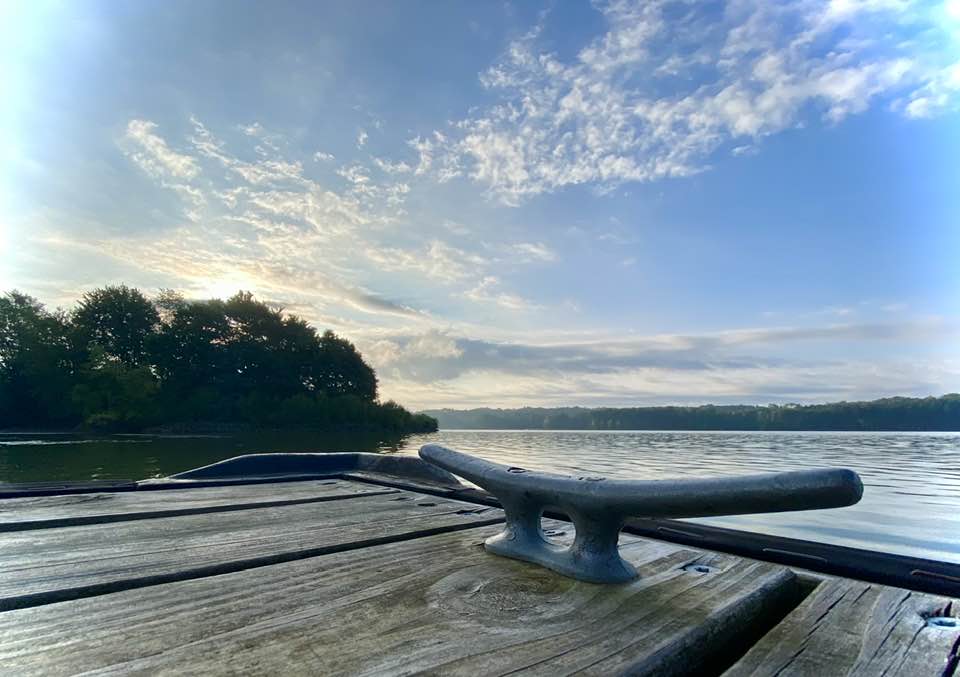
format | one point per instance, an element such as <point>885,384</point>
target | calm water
<point>911,502</point>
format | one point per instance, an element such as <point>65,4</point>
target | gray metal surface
<point>284,465</point>
<point>598,506</point>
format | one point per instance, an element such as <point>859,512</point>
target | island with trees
<point>892,413</point>
<point>120,361</point>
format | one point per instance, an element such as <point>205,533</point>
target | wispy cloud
<point>266,224</point>
<point>758,365</point>
<point>664,351</point>
<point>151,152</point>
<point>655,97</point>
<point>436,260</point>
<point>534,251</point>
<point>488,290</point>
<point>392,167</point>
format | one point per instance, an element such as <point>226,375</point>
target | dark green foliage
<point>112,395</point>
<point>119,320</point>
<point>342,370</point>
<point>892,413</point>
<point>123,362</point>
<point>36,363</point>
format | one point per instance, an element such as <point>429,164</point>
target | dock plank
<point>65,510</point>
<point>44,565</point>
<point>852,628</point>
<point>436,604</point>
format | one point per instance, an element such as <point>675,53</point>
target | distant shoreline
<point>682,430</point>
<point>892,414</point>
<point>206,433</point>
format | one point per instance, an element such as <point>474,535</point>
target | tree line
<point>121,361</point>
<point>892,413</point>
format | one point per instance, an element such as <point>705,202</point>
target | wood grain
<point>17,514</point>
<point>436,604</point>
<point>45,565</point>
<point>852,628</point>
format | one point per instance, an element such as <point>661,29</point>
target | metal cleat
<point>598,507</point>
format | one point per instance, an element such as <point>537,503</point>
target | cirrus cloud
<point>669,83</point>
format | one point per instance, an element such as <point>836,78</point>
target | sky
<point>509,203</point>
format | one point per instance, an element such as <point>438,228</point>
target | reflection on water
<point>911,502</point>
<point>26,457</point>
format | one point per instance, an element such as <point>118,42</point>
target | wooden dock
<point>349,574</point>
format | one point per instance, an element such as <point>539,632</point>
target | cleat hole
<point>943,622</point>
<point>554,535</point>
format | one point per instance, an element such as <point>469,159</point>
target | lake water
<point>911,502</point>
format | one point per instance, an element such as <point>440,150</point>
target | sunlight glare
<point>952,8</point>
<point>221,288</point>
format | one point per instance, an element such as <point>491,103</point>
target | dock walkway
<point>350,575</point>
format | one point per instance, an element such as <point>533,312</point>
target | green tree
<point>120,361</point>
<point>36,365</point>
<point>190,348</point>
<point>117,318</point>
<point>342,371</point>
<point>112,395</point>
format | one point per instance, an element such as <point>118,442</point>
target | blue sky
<point>507,203</point>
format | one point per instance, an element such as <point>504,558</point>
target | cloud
<point>437,260</point>
<point>439,368</point>
<point>939,95</point>
<point>435,157</point>
<point>669,83</point>
<point>152,154</point>
<point>254,129</point>
<point>534,251</point>
<point>265,225</point>
<point>171,169</point>
<point>355,174</point>
<point>194,265</point>
<point>411,352</point>
<point>488,291</point>
<point>392,167</point>
<point>703,352</point>
<point>268,171</point>
<point>916,330</point>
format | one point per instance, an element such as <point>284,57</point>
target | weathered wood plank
<point>379,479</point>
<point>437,604</point>
<point>44,565</point>
<point>852,628</point>
<point>13,490</point>
<point>51,511</point>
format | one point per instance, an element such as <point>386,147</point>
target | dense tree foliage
<point>117,320</point>
<point>36,359</point>
<point>893,413</point>
<point>122,361</point>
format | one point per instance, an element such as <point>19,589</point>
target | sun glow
<point>221,288</point>
<point>952,8</point>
